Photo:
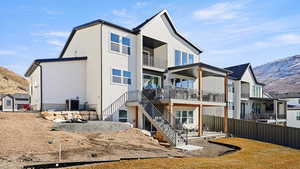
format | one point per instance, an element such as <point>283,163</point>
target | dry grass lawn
<point>254,155</point>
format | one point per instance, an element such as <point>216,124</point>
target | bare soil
<point>26,138</point>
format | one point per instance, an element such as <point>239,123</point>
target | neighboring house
<point>293,109</point>
<point>122,73</point>
<point>13,102</point>
<point>247,100</point>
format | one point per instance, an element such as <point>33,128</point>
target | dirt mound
<point>11,83</point>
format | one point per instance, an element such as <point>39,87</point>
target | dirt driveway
<point>26,138</point>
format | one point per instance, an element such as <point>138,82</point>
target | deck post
<point>137,116</point>
<point>226,106</point>
<point>200,120</point>
<point>200,106</point>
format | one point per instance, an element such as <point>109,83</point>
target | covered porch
<point>184,92</point>
<point>267,109</point>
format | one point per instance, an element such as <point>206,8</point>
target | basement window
<point>123,116</point>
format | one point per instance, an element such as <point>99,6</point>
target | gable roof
<point>36,62</point>
<point>135,30</point>
<point>239,70</point>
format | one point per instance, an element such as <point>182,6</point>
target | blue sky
<point>229,32</point>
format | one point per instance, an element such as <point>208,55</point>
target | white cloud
<point>140,4</point>
<point>60,34</point>
<point>220,11</point>
<point>120,13</point>
<point>52,12</point>
<point>279,40</point>
<point>57,34</point>
<point>7,52</point>
<point>288,38</point>
<point>56,43</point>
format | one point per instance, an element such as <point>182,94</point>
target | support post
<point>200,120</point>
<point>200,83</point>
<point>136,116</point>
<point>171,107</point>
<point>226,106</point>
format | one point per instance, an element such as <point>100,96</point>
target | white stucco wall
<point>160,29</point>
<point>291,118</point>
<point>34,89</point>
<point>64,80</point>
<point>248,77</point>
<point>111,59</point>
<point>87,42</point>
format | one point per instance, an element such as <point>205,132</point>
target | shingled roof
<point>239,70</point>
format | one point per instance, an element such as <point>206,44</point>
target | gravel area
<point>93,126</point>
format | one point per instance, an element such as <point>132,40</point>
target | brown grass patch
<point>254,155</point>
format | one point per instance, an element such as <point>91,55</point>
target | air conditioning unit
<point>72,104</point>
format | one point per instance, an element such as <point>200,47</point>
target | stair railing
<point>108,112</point>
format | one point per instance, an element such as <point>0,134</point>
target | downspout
<point>41,86</point>
<point>101,88</point>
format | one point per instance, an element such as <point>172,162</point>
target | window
<point>120,44</point>
<point>125,45</point>
<point>177,57</point>
<point>298,116</point>
<point>119,76</point>
<point>191,58</point>
<point>8,102</point>
<point>191,117</point>
<point>115,42</point>
<point>184,83</point>
<point>123,116</point>
<point>184,117</point>
<point>126,77</point>
<point>116,76</point>
<point>184,58</point>
<point>151,81</point>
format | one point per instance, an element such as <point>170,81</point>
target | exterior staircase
<point>158,120</point>
<point>108,113</point>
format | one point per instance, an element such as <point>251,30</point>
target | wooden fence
<point>275,134</point>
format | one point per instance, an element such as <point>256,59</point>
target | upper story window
<point>183,58</point>
<point>120,44</point>
<point>177,57</point>
<point>126,77</point>
<point>257,91</point>
<point>191,58</point>
<point>230,88</point>
<point>298,116</point>
<point>121,76</point>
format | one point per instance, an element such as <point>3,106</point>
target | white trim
<point>120,43</point>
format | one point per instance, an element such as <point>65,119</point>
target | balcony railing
<point>183,94</point>
<point>213,97</point>
<point>257,116</point>
<point>245,95</point>
<point>172,93</point>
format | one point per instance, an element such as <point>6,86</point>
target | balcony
<point>245,95</point>
<point>168,93</point>
<point>154,53</point>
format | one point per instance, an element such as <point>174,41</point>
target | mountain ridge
<point>281,75</point>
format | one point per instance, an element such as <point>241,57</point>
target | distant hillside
<point>11,83</point>
<point>280,76</point>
